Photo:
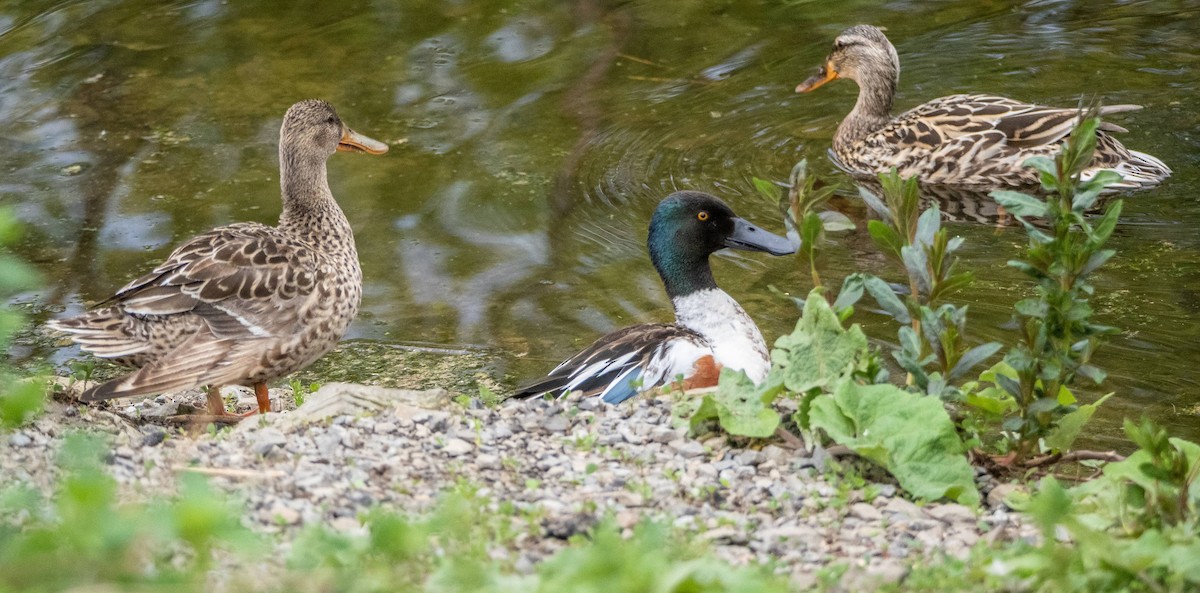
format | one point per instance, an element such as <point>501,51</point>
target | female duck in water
<point>711,330</point>
<point>979,141</point>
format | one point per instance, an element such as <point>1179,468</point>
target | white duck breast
<point>733,337</point>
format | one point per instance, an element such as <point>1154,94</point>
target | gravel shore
<point>563,465</point>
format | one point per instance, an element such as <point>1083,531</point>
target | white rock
<point>456,447</point>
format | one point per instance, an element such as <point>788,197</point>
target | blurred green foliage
<point>21,397</point>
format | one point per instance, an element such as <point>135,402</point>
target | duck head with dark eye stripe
<point>689,226</point>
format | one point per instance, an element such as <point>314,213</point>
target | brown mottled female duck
<point>961,140</point>
<point>247,303</point>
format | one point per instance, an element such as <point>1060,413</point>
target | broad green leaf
<point>991,400</point>
<point>851,292</point>
<point>20,400</point>
<point>1107,224</point>
<point>886,297</point>
<point>743,408</point>
<point>767,189</point>
<point>1041,163</point>
<point>836,222</point>
<point>927,226</point>
<point>917,265</point>
<point>885,237</point>
<point>908,434</point>
<point>1069,426</point>
<point>1093,373</point>
<point>972,357</point>
<point>810,231</point>
<point>819,351</point>
<point>1096,260</point>
<point>874,203</point>
<point>705,411</point>
<point>1019,204</point>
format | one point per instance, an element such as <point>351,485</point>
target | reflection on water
<point>531,141</point>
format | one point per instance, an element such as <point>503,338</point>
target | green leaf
<point>917,265</point>
<point>885,237</point>
<point>810,231</point>
<point>874,203</point>
<point>767,189</point>
<point>819,351</point>
<point>1041,163</point>
<point>1096,260</point>
<point>991,400</point>
<point>908,434</point>
<point>1069,426</point>
<point>972,357</point>
<point>836,222</point>
<point>1105,226</point>
<point>1096,375</point>
<point>743,408</point>
<point>1019,204</point>
<point>706,411</point>
<point>928,225</point>
<point>886,297</point>
<point>20,400</point>
<point>851,292</point>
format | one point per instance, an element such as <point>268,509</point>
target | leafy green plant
<point>21,398</point>
<point>89,537</point>
<point>1057,336</point>
<point>1135,528</point>
<point>933,347</point>
<point>800,207</point>
<point>910,436</point>
<point>300,391</point>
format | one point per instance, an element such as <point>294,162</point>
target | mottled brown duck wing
<point>240,279</point>
<point>1024,125</point>
<point>184,367</point>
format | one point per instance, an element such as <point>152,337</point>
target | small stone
<point>727,535</point>
<point>748,458</point>
<point>487,461</point>
<point>627,519</point>
<point>20,439</point>
<point>502,430</point>
<point>557,424</point>
<point>346,524</point>
<point>662,434</point>
<point>864,511</point>
<point>950,513</point>
<point>997,497</point>
<point>154,436</point>
<point>904,508</point>
<point>456,447</point>
<point>777,454</point>
<point>284,514</point>
<point>687,448</point>
<point>628,435</point>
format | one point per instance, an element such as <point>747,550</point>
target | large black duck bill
<point>711,331</point>
<point>247,303</point>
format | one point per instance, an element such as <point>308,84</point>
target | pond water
<point>531,141</point>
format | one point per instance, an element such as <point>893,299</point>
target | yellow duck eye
<point>702,216</point>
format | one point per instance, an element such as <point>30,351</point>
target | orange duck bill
<point>354,142</point>
<point>824,75</point>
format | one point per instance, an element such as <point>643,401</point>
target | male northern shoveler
<point>247,303</point>
<point>711,330</point>
<point>962,140</point>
